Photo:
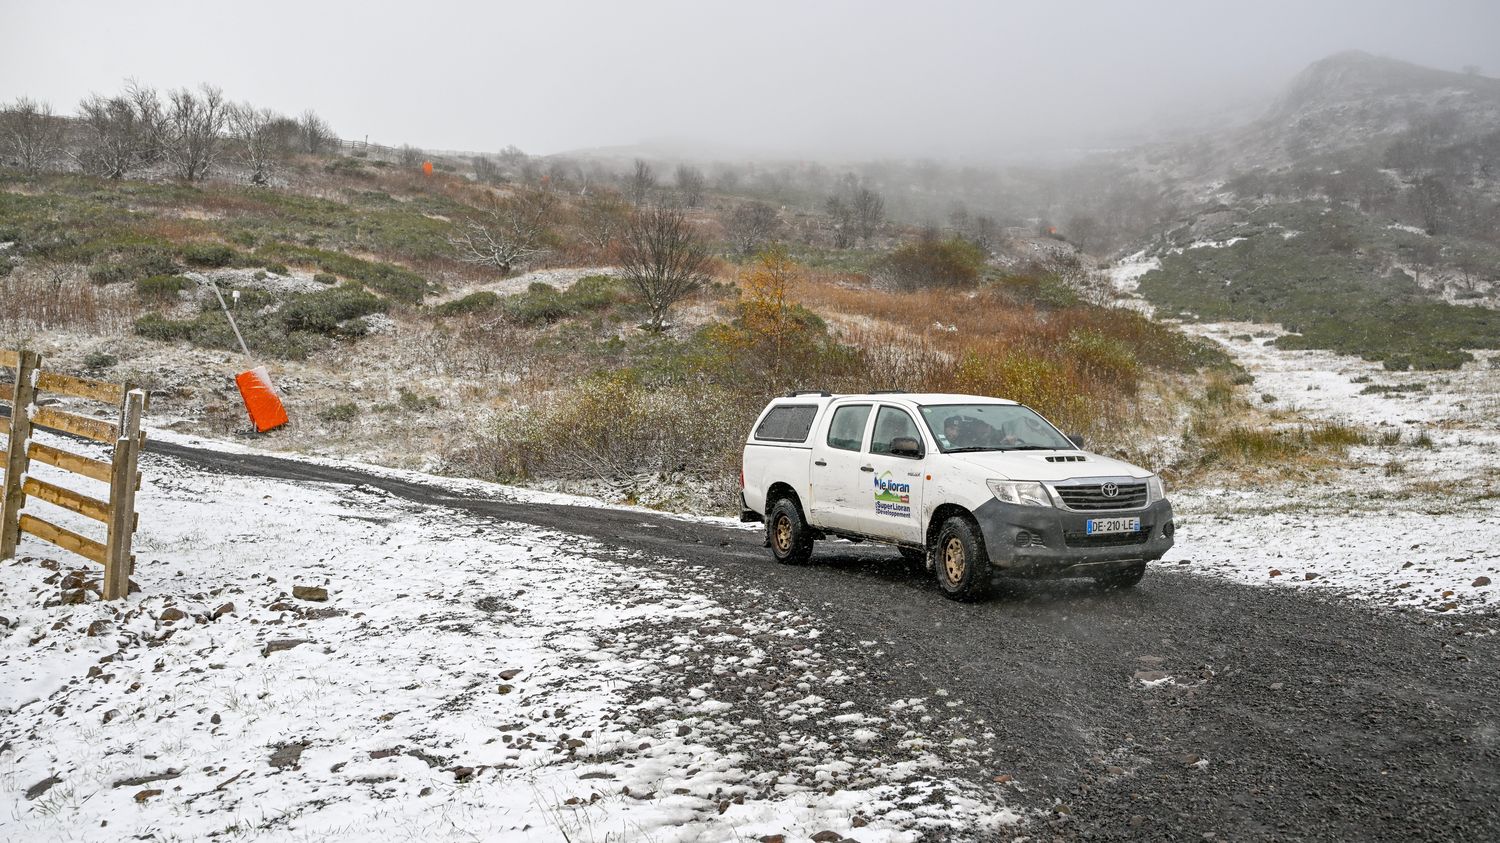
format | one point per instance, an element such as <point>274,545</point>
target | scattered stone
<point>377,754</point>
<point>1479,582</point>
<point>1004,777</point>
<point>1150,675</point>
<point>216,720</point>
<point>425,758</point>
<point>859,822</point>
<point>1275,572</point>
<point>505,689</point>
<point>221,611</point>
<point>1277,686</point>
<point>1189,760</point>
<point>426,791</point>
<point>74,579</point>
<point>74,597</point>
<point>283,606</point>
<point>1151,660</point>
<point>5,623</point>
<point>111,714</point>
<point>575,743</point>
<point>97,628</point>
<point>510,674</point>
<point>323,613</point>
<point>1114,770</point>
<point>827,836</point>
<point>142,796</point>
<point>684,730</point>
<point>137,781</point>
<point>1310,576</point>
<point>170,614</point>
<point>462,774</point>
<point>773,838</point>
<point>315,593</point>
<point>287,755</point>
<point>41,787</point>
<point>278,644</point>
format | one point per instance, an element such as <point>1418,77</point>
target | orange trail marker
<point>261,401</point>
<point>427,167</point>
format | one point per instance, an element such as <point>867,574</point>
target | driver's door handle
<point>867,468</point>
<point>820,462</point>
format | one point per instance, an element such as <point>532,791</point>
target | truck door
<point>839,487</point>
<point>893,468</point>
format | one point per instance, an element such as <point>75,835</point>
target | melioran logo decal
<point>891,497</point>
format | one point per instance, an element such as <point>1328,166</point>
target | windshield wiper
<point>1028,448</point>
<point>970,449</point>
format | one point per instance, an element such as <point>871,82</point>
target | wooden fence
<point>118,512</point>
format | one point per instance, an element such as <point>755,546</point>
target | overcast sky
<point>972,80</point>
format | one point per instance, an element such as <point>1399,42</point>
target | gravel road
<point>1187,709</point>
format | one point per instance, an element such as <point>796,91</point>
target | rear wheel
<point>1122,577</point>
<point>959,561</point>
<point>791,539</point>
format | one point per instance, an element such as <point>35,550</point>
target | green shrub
<point>394,282</point>
<point>483,301</point>
<point>154,326</point>
<point>133,264</point>
<point>1103,357</point>
<point>339,413</point>
<point>96,360</point>
<point>932,263</point>
<point>325,278</point>
<point>324,311</point>
<point>1039,287</point>
<point>414,403</point>
<point>277,268</point>
<point>543,304</point>
<point>162,288</point>
<point>211,255</point>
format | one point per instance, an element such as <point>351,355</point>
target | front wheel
<point>1122,577</point>
<point>791,539</point>
<point>959,561</point>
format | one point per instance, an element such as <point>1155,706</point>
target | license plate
<point>1095,526</point>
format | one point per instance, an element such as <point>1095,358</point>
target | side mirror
<point>1076,439</point>
<point>905,446</point>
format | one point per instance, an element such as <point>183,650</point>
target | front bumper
<point>1038,541</point>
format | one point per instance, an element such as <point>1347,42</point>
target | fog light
<point>1168,529</point>
<point>1023,538</point>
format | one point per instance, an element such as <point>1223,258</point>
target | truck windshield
<point>991,427</point>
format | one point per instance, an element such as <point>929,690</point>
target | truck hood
<point>1033,465</point>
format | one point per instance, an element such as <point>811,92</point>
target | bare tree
<point>30,135</point>
<point>642,180</point>
<point>195,125</point>
<point>603,216</point>
<point>315,135</point>
<point>511,232</point>
<point>262,140</point>
<point>121,133</point>
<point>690,183</point>
<point>869,211</point>
<point>486,171</point>
<point>751,225</point>
<point>1081,229</point>
<point>408,156</point>
<point>842,214</point>
<point>663,259</point>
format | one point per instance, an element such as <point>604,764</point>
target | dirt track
<point>1286,716</point>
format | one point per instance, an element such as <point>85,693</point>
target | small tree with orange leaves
<point>764,307</point>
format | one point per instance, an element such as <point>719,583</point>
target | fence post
<point>117,563</point>
<point>16,460</point>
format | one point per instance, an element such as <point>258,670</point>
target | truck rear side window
<point>787,423</point>
<point>847,430</point>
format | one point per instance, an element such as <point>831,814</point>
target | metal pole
<point>227,314</point>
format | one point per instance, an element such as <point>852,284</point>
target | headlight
<point>1154,489</point>
<point>1020,492</point>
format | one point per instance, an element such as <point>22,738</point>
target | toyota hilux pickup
<point>968,488</point>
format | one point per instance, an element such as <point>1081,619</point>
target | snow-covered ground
<point>460,680</point>
<point>1407,523</point>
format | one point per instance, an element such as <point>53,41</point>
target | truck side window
<point>892,424</point>
<point>847,430</point>
<point>787,423</point>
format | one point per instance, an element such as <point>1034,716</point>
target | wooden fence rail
<point>117,512</point>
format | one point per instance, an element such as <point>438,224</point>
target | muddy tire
<point>959,561</point>
<point>1122,578</point>
<point>789,536</point>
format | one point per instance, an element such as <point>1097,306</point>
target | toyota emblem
<point>1110,490</point>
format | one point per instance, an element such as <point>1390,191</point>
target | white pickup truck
<point>967,487</point>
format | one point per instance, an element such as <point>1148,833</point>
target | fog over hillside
<point>837,80</point>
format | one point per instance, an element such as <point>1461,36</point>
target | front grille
<point>1090,497</point>
<point>1107,539</point>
